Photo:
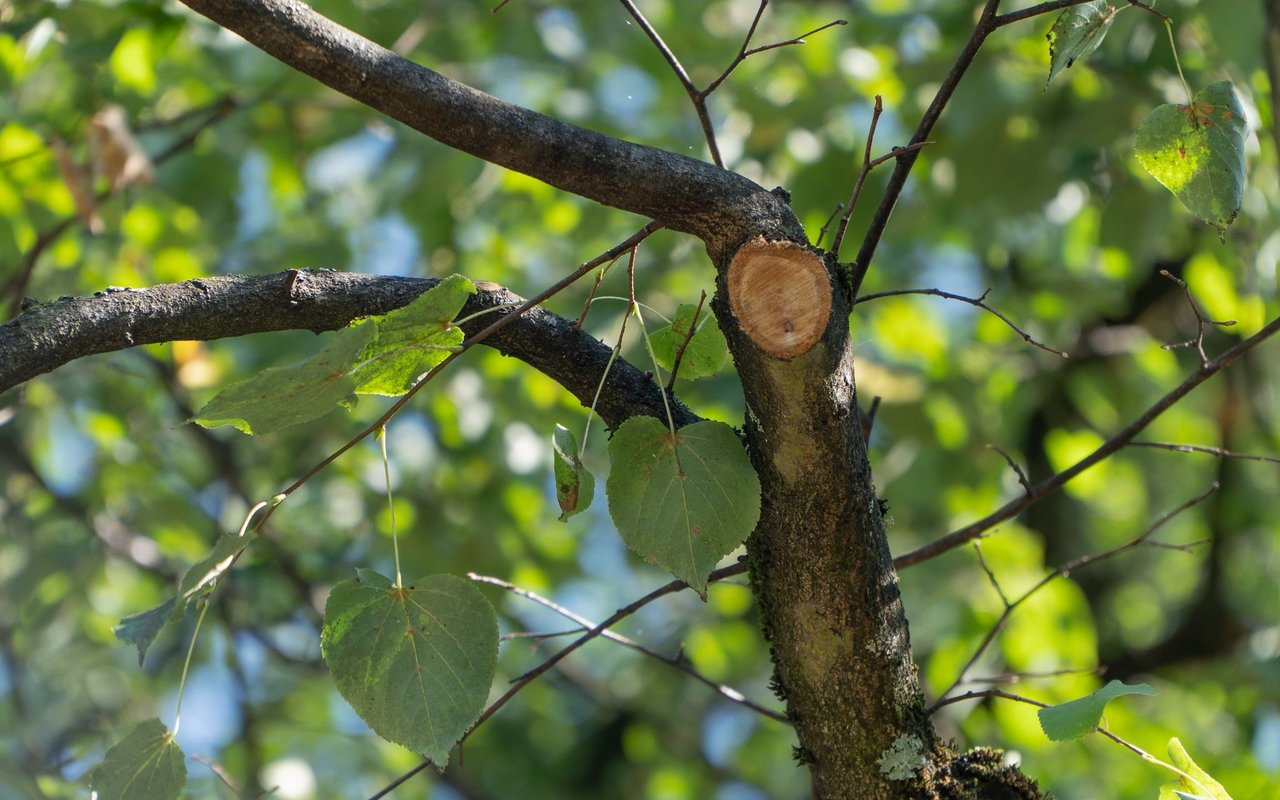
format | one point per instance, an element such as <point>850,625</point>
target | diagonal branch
<point>56,333</point>
<point>1051,484</point>
<point>721,208</point>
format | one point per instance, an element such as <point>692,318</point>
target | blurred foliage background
<point>106,494</point>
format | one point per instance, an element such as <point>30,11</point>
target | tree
<point>817,551</point>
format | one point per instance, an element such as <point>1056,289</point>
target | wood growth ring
<point>780,294</point>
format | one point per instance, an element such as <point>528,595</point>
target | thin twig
<point>1063,571</point>
<point>822,232</point>
<point>991,576</point>
<point>1013,465</point>
<point>898,180</point>
<point>674,661</point>
<point>1035,11</point>
<point>1212,451</point>
<point>693,328</point>
<point>597,630</point>
<point>1019,677</point>
<point>699,96</point>
<point>979,302</point>
<point>981,693</point>
<point>1108,448</point>
<point>1202,322</point>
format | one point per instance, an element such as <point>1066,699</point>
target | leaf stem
<point>186,666</point>
<point>391,505</point>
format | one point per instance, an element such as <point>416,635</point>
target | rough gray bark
<point>49,335</point>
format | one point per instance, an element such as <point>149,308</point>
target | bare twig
<point>597,630</point>
<point>1013,465</point>
<point>898,180</point>
<point>991,576</point>
<point>1019,677</point>
<point>693,328</point>
<point>1212,451</point>
<point>822,232</point>
<point>1202,322</point>
<point>1143,539</point>
<point>981,693</point>
<point>676,661</point>
<point>1108,448</point>
<point>699,96</point>
<point>979,302</point>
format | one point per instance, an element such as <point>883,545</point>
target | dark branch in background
<point>1108,448</point>
<point>722,208</point>
<point>528,677</point>
<point>678,661</point>
<point>699,96</point>
<point>16,287</point>
<point>979,302</point>
<point>52,334</point>
<point>1142,540</point>
<point>906,160</point>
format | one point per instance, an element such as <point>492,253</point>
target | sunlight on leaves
<point>1194,783</point>
<point>145,765</point>
<point>413,339</point>
<point>1076,33</point>
<point>705,355</point>
<point>284,396</point>
<point>1197,152</point>
<point>415,662</point>
<point>1078,717</point>
<point>142,629</point>
<point>681,500</point>
<point>575,485</point>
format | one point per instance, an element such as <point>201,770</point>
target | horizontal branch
<point>722,208</point>
<point>1108,448</point>
<point>51,334</point>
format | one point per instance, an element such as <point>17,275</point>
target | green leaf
<point>575,485</point>
<point>415,662</point>
<point>142,629</point>
<point>1198,784</point>
<point>284,396</point>
<point>413,339</point>
<point>1076,33</point>
<point>681,500</point>
<point>145,765</point>
<point>706,354</point>
<point>1197,152</point>
<point>1078,717</point>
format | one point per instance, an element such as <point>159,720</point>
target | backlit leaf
<point>415,662</point>
<point>575,485</point>
<point>145,765</point>
<point>1195,783</point>
<point>1076,33</point>
<point>1078,717</point>
<point>278,398</point>
<point>681,500</point>
<point>413,339</point>
<point>706,353</point>
<point>1197,152</point>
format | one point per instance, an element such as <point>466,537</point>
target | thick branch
<point>721,208</point>
<point>50,335</point>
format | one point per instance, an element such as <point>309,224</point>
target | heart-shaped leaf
<point>1197,152</point>
<point>681,500</point>
<point>1076,33</point>
<point>416,661</point>
<point>145,765</point>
